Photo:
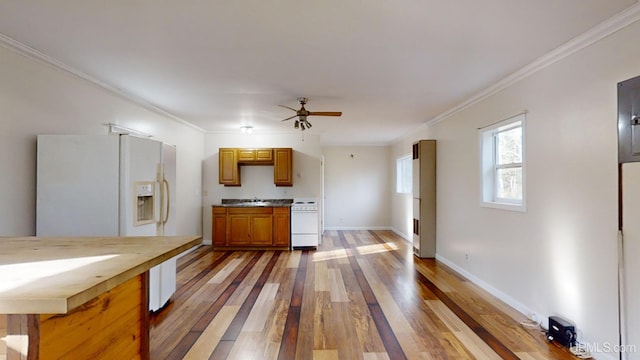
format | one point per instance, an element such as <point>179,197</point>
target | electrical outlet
<point>466,257</point>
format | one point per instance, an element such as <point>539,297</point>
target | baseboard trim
<point>401,234</point>
<point>518,306</point>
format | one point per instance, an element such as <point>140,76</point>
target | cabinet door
<point>264,155</point>
<point>219,226</point>
<point>261,232</point>
<point>281,226</point>
<point>246,155</point>
<point>238,230</point>
<point>228,168</point>
<point>282,166</point>
<point>255,156</point>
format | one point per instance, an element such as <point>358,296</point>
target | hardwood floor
<point>360,295</point>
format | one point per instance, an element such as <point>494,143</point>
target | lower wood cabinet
<point>251,227</point>
<point>281,226</point>
<point>219,226</point>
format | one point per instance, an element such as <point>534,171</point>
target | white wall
<point>36,98</point>
<point>257,181</point>
<point>357,183</point>
<point>559,257</point>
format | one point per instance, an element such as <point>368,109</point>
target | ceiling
<point>389,66</point>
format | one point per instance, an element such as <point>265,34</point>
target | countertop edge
<point>81,298</point>
<point>64,305</point>
<point>250,206</point>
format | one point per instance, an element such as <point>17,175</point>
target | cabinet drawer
<point>219,210</point>
<point>284,210</point>
<point>256,156</point>
<point>250,210</point>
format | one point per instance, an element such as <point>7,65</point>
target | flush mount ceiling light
<point>246,129</point>
<point>301,121</point>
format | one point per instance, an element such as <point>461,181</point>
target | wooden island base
<point>80,298</point>
<point>113,325</point>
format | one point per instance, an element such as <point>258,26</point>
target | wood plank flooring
<point>360,295</point>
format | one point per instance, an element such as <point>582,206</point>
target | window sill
<point>504,206</point>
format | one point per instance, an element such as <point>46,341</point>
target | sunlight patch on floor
<point>330,255</point>
<point>376,248</point>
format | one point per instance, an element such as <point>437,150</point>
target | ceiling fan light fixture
<point>301,115</point>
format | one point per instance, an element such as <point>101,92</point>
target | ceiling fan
<point>302,114</point>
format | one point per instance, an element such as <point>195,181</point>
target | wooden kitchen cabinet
<point>282,226</point>
<point>230,160</point>
<point>238,231</point>
<point>251,227</point>
<point>260,227</point>
<point>228,167</point>
<point>255,156</point>
<point>283,166</point>
<point>219,225</point>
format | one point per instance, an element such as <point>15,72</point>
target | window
<point>502,164</point>
<point>404,171</point>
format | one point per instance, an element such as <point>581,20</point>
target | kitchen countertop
<point>255,203</point>
<point>40,275</point>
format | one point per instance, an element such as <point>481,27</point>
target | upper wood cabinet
<point>228,168</point>
<point>230,159</point>
<point>283,166</point>
<point>255,156</point>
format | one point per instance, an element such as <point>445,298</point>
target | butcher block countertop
<point>41,275</point>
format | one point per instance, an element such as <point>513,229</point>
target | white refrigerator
<point>629,209</point>
<point>109,185</point>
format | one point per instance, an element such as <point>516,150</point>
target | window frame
<point>409,163</point>
<point>489,164</point>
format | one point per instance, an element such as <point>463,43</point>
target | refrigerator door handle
<point>166,191</point>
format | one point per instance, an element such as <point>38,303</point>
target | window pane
<point>509,146</point>
<point>509,184</point>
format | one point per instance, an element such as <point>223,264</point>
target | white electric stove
<point>304,223</point>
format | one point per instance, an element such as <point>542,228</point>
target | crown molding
<point>593,35</point>
<point>33,54</point>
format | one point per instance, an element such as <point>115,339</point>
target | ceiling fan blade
<point>289,118</point>
<point>326,113</point>
<point>288,108</point>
